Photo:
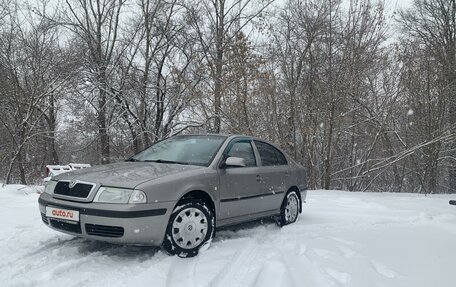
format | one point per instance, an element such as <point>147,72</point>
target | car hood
<point>125,174</point>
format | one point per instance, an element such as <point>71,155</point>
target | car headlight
<point>119,195</point>
<point>49,187</point>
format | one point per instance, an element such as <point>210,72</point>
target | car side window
<point>242,149</point>
<point>270,155</point>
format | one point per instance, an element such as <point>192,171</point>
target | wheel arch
<point>202,195</point>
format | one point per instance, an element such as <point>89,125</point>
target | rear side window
<point>270,155</point>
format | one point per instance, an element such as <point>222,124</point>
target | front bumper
<point>140,224</point>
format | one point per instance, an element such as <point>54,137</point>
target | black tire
<point>182,230</point>
<point>290,201</point>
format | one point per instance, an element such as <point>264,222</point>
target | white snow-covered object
<point>75,166</point>
<point>53,170</point>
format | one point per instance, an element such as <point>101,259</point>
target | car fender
<point>173,188</point>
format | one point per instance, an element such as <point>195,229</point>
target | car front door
<point>240,187</point>
<point>274,174</point>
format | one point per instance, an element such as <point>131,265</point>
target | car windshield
<point>193,150</point>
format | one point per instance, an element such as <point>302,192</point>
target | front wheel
<point>190,227</point>
<point>289,210</point>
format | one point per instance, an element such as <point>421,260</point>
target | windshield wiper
<point>166,161</point>
<point>132,159</point>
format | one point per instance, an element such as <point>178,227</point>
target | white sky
<point>401,3</point>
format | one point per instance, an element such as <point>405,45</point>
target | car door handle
<point>258,178</point>
<point>287,174</point>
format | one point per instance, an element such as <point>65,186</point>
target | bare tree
<point>35,70</point>
<point>96,23</point>
<point>431,81</point>
<point>155,84</point>
<point>216,23</point>
<point>327,55</point>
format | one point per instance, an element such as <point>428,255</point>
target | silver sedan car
<point>174,193</point>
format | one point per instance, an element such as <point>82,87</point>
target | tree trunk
<point>102,124</point>
<point>328,149</point>
<point>160,98</point>
<point>432,168</point>
<point>52,125</point>
<point>20,165</point>
<point>10,171</point>
<point>219,66</point>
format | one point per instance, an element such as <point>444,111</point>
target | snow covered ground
<point>341,239</point>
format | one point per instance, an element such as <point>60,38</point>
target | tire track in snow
<point>342,278</point>
<point>182,272</point>
<point>237,269</point>
<point>48,247</point>
<point>301,269</point>
<point>43,271</point>
<point>383,270</point>
<point>274,273</point>
<point>348,253</point>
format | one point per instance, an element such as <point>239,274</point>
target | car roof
<point>214,134</point>
<point>230,136</point>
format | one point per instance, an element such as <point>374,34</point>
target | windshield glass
<point>194,150</point>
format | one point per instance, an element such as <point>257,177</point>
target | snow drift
<point>341,239</point>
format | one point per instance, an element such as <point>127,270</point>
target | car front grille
<point>44,218</point>
<point>65,226</point>
<point>80,190</point>
<point>104,230</point>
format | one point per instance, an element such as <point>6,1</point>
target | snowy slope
<point>341,239</point>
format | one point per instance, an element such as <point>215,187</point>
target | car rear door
<point>240,187</point>
<point>274,173</point>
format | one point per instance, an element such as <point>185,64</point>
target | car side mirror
<point>233,161</point>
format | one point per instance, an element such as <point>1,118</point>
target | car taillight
<point>46,172</point>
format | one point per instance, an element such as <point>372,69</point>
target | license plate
<point>60,213</point>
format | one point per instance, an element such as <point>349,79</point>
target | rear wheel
<point>190,227</point>
<point>289,210</point>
